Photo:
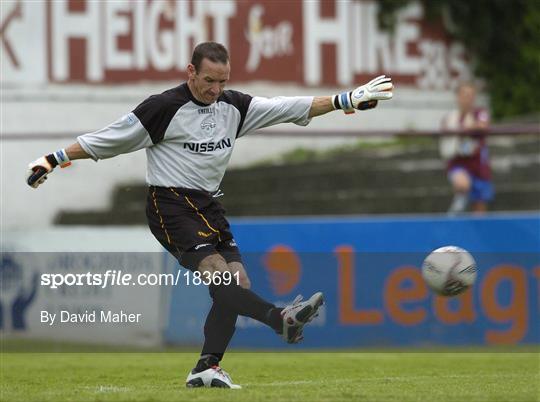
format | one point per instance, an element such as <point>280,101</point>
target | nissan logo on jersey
<point>208,146</point>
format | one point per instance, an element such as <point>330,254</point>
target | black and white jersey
<point>188,143</point>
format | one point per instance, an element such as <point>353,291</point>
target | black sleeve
<point>241,102</point>
<point>155,114</point>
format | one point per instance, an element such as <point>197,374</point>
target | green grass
<point>352,376</point>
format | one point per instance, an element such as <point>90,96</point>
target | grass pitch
<point>352,376</point>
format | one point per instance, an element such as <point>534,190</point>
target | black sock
<point>275,320</point>
<point>205,362</point>
<point>218,330</point>
<point>245,302</point>
<point>229,302</point>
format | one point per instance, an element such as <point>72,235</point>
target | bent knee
<point>213,263</point>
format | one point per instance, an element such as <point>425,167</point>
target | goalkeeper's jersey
<point>188,143</point>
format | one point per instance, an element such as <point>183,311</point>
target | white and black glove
<point>41,167</point>
<point>366,96</point>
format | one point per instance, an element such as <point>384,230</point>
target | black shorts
<point>190,224</point>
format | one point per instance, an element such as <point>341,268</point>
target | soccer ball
<point>449,271</point>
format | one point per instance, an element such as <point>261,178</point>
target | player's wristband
<point>343,101</point>
<point>59,158</point>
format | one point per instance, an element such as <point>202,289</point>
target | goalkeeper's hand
<point>366,96</point>
<point>41,167</point>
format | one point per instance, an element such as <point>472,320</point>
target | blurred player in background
<point>189,133</point>
<point>466,153</point>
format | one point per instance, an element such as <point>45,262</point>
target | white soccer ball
<point>449,271</point>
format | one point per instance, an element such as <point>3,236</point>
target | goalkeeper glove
<point>41,167</point>
<point>366,96</point>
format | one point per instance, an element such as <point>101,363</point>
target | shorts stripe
<point>198,213</point>
<point>160,217</point>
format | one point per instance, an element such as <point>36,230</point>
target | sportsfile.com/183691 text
<point>119,278</point>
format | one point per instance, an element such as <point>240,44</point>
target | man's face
<point>466,97</point>
<point>209,82</point>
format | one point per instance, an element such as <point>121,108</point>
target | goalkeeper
<point>189,133</point>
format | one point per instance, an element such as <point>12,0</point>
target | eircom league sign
<point>369,271</point>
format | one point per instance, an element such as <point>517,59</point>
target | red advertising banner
<point>309,42</point>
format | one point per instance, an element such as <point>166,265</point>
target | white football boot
<point>214,377</point>
<point>299,313</point>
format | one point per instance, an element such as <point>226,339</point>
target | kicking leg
<point>237,299</point>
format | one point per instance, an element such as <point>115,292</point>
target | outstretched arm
<point>75,151</point>
<point>265,112</point>
<point>321,105</point>
<point>125,135</point>
<point>362,98</point>
<point>41,167</point>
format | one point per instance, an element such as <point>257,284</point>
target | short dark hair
<point>212,51</point>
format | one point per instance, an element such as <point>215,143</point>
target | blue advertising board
<point>369,271</point>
